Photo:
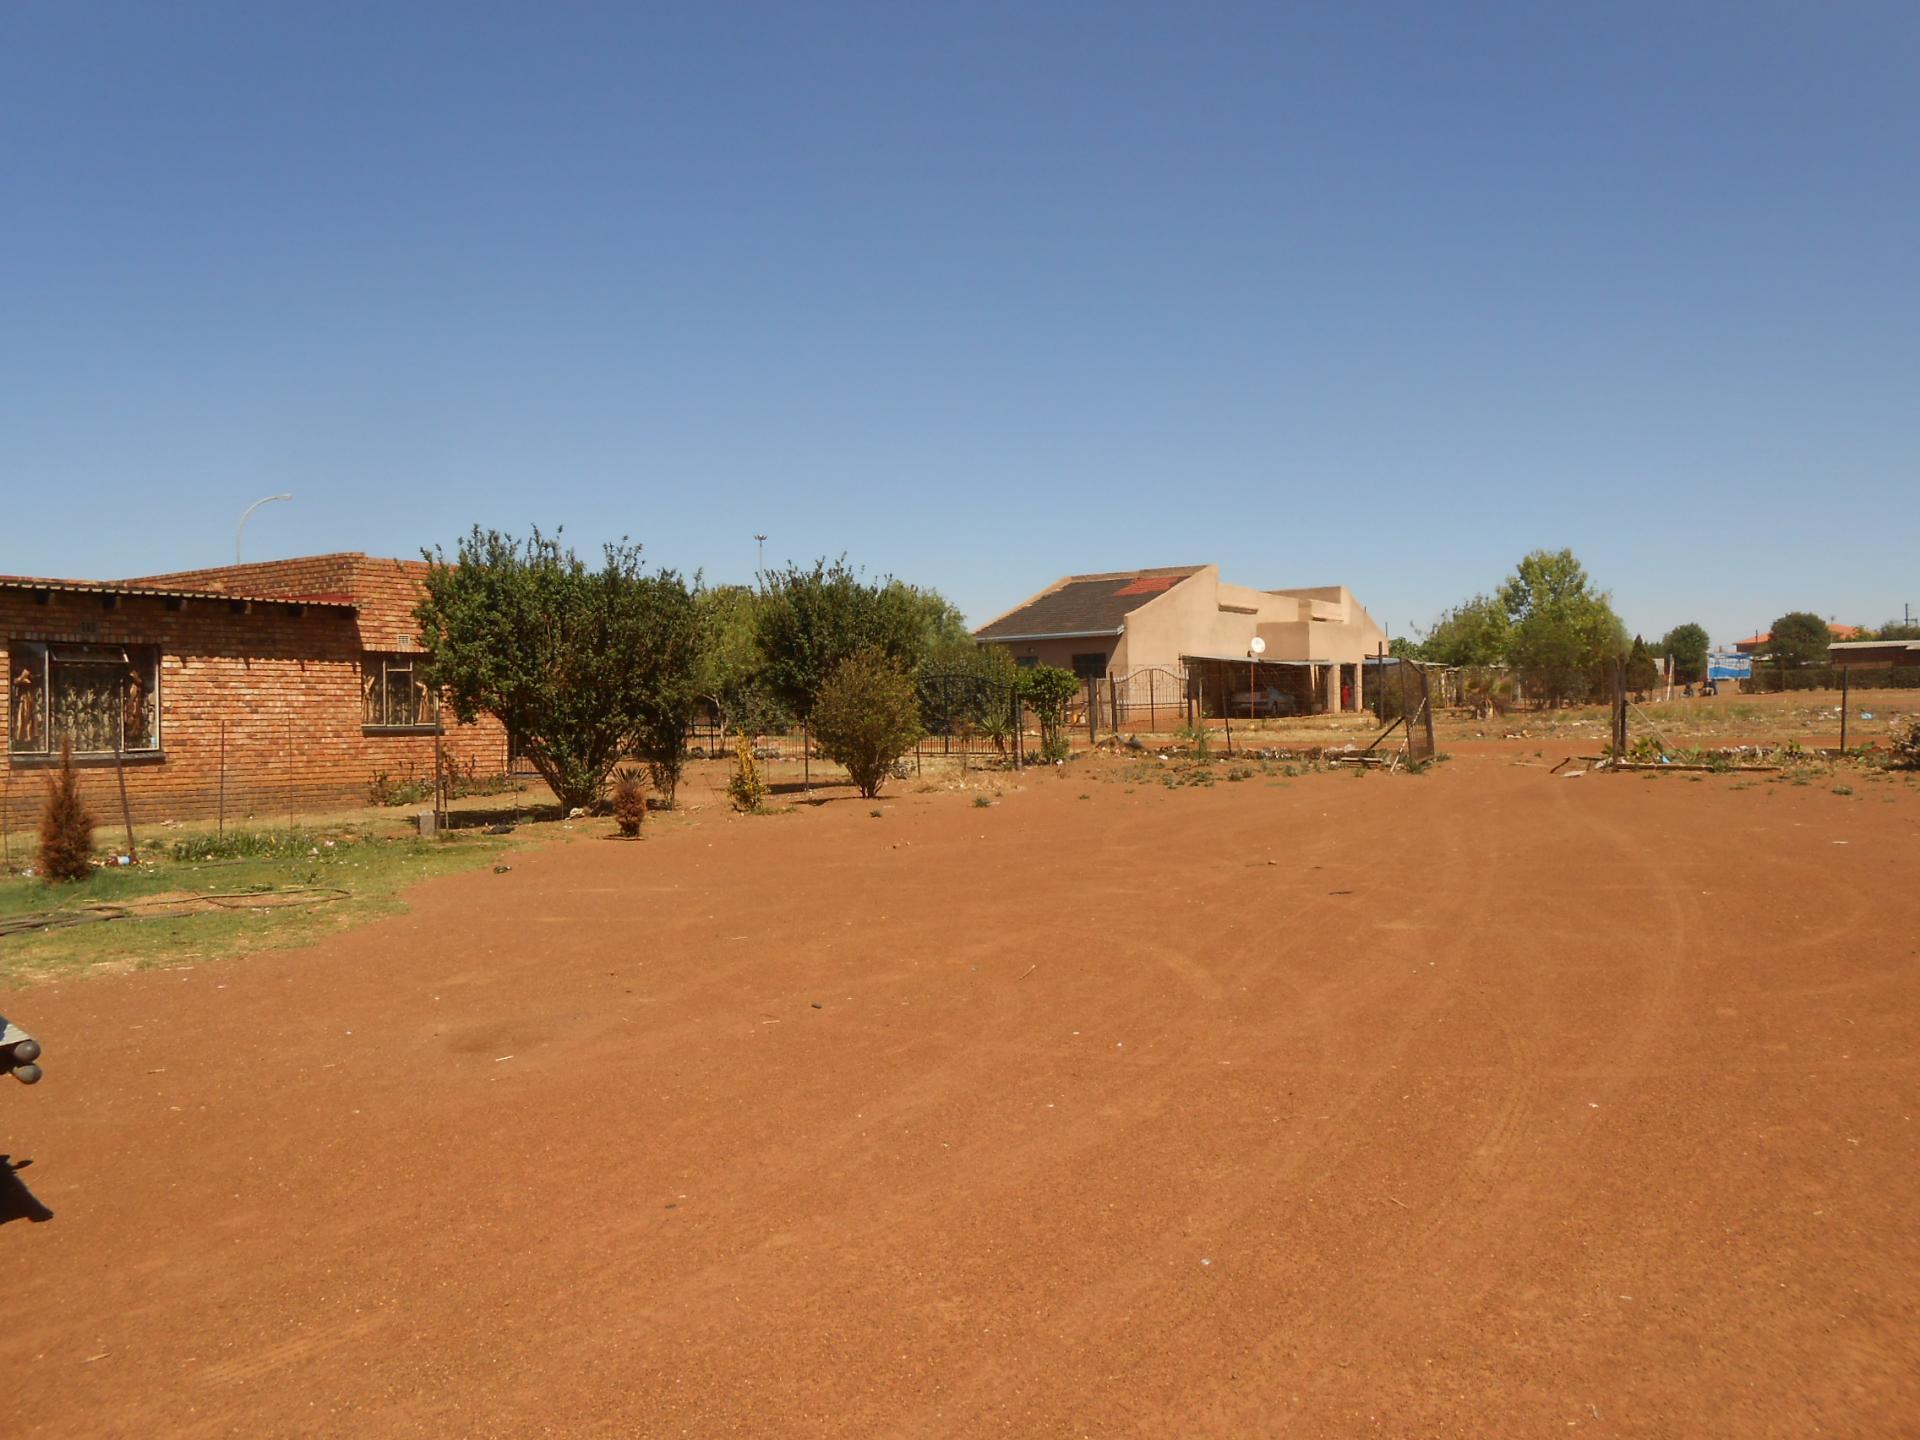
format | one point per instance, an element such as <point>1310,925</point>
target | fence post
<point>223,778</point>
<point>1013,694</point>
<point>1846,674</point>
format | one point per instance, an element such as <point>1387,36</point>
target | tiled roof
<point>172,592</point>
<point>1086,604</point>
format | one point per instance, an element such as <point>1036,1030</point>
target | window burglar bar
<point>393,697</point>
<point>98,698</point>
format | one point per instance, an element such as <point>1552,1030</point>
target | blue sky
<point>979,293</point>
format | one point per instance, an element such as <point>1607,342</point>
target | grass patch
<point>240,864</point>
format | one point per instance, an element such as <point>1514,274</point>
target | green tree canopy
<point>1800,639</point>
<point>1687,644</point>
<point>668,664</point>
<point>1478,632</point>
<point>811,620</point>
<point>569,659</point>
<point>1563,628</point>
<point>730,676</point>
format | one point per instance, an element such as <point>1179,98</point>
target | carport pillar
<point>1359,680</point>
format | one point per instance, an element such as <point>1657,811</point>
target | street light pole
<point>241,528</point>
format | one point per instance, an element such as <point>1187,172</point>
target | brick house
<point>263,689</point>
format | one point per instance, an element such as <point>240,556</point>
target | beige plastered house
<point>1125,626</point>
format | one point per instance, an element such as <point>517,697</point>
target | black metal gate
<point>969,716</point>
<point>1150,699</point>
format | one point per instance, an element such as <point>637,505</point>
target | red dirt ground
<point>1477,1103</point>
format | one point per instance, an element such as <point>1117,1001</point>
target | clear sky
<point>978,293</point>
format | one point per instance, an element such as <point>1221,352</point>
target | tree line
<point>589,665</point>
<point>1550,627</point>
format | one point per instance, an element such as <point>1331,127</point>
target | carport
<point>1243,687</point>
<point>1850,655</point>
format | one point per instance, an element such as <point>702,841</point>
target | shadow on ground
<point>17,1202</point>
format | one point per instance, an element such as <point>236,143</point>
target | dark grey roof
<point>1085,604</point>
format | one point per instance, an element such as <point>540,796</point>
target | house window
<point>100,699</point>
<point>1090,667</point>
<point>1027,662</point>
<point>393,696</point>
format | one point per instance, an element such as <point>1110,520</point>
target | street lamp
<point>241,528</point>
<point>1256,647</point>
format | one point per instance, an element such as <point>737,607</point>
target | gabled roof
<point>1085,605</point>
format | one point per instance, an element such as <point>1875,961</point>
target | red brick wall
<point>273,677</point>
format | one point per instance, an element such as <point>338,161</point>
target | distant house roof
<point>1757,642</point>
<point>1085,605</point>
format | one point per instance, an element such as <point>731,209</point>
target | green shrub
<point>748,787</point>
<point>867,716</point>
<point>1047,690</point>
<point>1199,742</point>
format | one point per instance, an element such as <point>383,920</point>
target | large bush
<point>866,716</point>
<point>579,665</point>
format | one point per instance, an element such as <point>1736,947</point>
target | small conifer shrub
<point>748,787</point>
<point>66,826</point>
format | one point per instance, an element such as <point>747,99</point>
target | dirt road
<point>1477,1103</point>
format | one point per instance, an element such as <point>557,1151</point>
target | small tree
<point>66,826</point>
<point>1800,640</point>
<point>1564,632</point>
<point>867,715</point>
<point>670,662</point>
<point>1642,673</point>
<point>1047,691</point>
<point>629,803</point>
<point>1475,633</point>
<point>730,678</point>
<point>1687,644</point>
<point>747,788</point>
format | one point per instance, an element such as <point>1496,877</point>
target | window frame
<point>44,660</point>
<point>384,664</point>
